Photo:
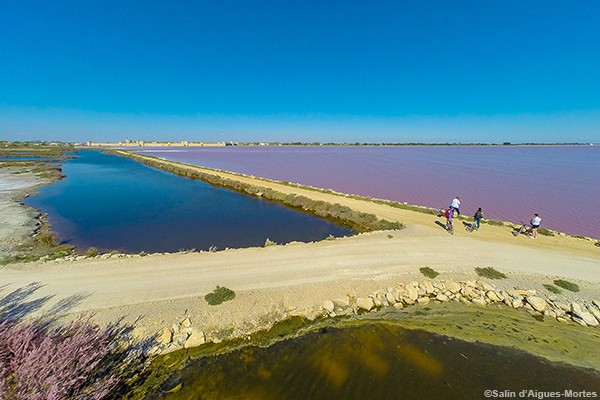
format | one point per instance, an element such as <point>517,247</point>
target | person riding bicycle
<point>455,205</point>
<point>477,218</point>
<point>449,215</point>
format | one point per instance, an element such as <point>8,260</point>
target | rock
<point>582,314</point>
<point>517,303</point>
<point>186,323</point>
<point>596,303</point>
<point>559,312</point>
<point>469,292</point>
<point>595,312</point>
<point>487,287</point>
<point>537,303</point>
<point>399,306</point>
<point>452,285</point>
<point>365,303</point>
<point>442,297</point>
<point>195,339</point>
<point>423,300</point>
<point>328,306</point>
<point>376,301</point>
<point>579,321</point>
<point>480,301</point>
<point>390,297</point>
<point>427,287</point>
<point>549,313</point>
<point>563,306</point>
<point>471,283</point>
<point>562,319</point>
<point>175,329</point>
<point>165,336</point>
<point>341,302</point>
<point>524,292</point>
<point>493,296</point>
<point>410,293</point>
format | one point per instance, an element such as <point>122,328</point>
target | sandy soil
<point>279,281</point>
<point>17,222</point>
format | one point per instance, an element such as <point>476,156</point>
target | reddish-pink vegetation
<point>78,361</point>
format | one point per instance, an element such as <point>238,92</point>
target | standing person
<point>456,204</point>
<point>535,224</point>
<point>477,217</point>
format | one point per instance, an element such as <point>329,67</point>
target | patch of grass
<point>545,232</point>
<point>20,258</point>
<point>61,251</point>
<point>269,242</point>
<point>47,238</point>
<point>219,295</point>
<point>573,287</point>
<point>429,272</point>
<point>493,222</point>
<point>490,273</point>
<point>552,288</point>
<point>91,252</point>
<point>390,236</point>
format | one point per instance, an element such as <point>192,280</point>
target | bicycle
<point>524,228</point>
<point>472,227</point>
<point>450,226</point>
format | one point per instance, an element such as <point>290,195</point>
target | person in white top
<point>535,224</point>
<point>455,204</point>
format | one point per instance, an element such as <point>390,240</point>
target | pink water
<point>510,183</point>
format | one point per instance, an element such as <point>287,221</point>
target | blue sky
<point>389,71</point>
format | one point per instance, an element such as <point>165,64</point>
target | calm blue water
<point>511,183</point>
<point>110,202</point>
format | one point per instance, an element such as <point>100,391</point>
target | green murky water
<point>390,355</point>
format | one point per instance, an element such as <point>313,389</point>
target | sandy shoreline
<point>275,282</point>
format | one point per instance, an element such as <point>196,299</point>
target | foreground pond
<point>390,355</point>
<point>111,202</point>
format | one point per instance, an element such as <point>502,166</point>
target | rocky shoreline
<point>186,334</point>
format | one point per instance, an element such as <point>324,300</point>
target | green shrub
<point>390,236</point>
<point>567,285</point>
<point>429,272</point>
<point>46,238</point>
<point>269,242</point>
<point>552,288</point>
<point>545,232</point>
<point>219,295</point>
<point>91,252</point>
<point>61,251</point>
<point>493,222</point>
<point>490,273</point>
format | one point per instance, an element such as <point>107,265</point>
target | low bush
<point>490,273</point>
<point>492,222</point>
<point>573,287</point>
<point>429,272</point>
<point>91,252</point>
<point>78,361</point>
<point>46,238</point>
<point>552,288</point>
<point>269,242</point>
<point>545,232</point>
<point>219,295</point>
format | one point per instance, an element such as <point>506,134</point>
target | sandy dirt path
<point>296,278</point>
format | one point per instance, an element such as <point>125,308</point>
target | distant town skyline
<point>449,71</point>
